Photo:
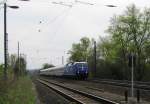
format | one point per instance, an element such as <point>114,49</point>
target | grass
<point>20,91</point>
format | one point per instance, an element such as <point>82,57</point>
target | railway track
<point>123,83</point>
<point>137,85</point>
<point>126,81</point>
<point>75,95</point>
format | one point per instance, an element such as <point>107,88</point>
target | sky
<point>46,30</point>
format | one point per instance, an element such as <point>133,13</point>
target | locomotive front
<point>81,69</point>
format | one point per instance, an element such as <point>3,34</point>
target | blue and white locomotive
<point>74,69</point>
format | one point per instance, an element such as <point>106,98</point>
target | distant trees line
<point>128,33</point>
<point>16,66</point>
<point>47,65</point>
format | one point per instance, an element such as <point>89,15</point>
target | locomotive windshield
<point>81,65</point>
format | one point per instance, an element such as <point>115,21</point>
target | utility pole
<point>19,55</point>
<point>132,77</point>
<point>5,42</point>
<point>62,60</point>
<point>95,61</point>
<point>132,63</point>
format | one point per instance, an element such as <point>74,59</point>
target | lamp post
<point>6,38</point>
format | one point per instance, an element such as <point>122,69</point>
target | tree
<point>131,33</point>
<point>13,58</point>
<point>22,66</point>
<point>18,64</point>
<point>80,51</point>
<point>47,65</point>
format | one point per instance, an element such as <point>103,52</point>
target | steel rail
<point>61,93</point>
<point>97,98</point>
